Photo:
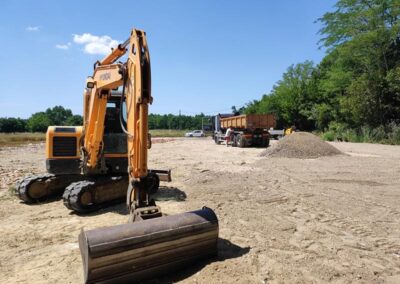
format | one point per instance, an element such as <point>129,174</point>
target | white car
<point>195,133</point>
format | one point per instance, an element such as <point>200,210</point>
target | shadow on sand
<point>164,193</point>
<point>47,199</point>
<point>226,250</point>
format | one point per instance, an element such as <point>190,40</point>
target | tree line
<point>58,115</point>
<point>354,92</point>
<point>39,121</point>
<point>171,121</point>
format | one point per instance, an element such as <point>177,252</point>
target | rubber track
<point>23,186</point>
<point>73,193</point>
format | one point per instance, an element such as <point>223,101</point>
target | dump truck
<point>244,130</point>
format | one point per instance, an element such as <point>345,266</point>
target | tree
<point>291,99</point>
<point>356,84</point>
<point>365,35</point>
<point>12,124</point>
<point>38,122</point>
<point>58,115</point>
<point>74,120</point>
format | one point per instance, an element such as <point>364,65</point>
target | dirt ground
<point>331,219</point>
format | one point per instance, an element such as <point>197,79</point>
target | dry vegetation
<point>167,132</point>
<point>13,139</point>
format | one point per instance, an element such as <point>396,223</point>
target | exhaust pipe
<point>146,249</point>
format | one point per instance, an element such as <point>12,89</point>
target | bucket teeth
<point>141,250</point>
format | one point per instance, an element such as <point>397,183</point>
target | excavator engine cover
<point>141,250</point>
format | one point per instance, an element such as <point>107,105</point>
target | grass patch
<point>389,134</point>
<point>10,194</point>
<point>13,139</point>
<point>167,132</point>
<point>12,190</point>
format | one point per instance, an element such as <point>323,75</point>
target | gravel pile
<point>301,145</point>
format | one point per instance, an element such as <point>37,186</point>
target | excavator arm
<point>105,78</point>
<point>137,89</point>
<point>137,94</point>
<point>135,78</point>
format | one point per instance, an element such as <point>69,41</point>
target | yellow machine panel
<point>62,142</point>
<point>63,149</point>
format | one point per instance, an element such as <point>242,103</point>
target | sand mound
<point>301,145</point>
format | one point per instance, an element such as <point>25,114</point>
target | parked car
<point>195,133</point>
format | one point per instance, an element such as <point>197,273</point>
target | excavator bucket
<point>141,250</point>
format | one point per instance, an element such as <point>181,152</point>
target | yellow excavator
<point>89,164</point>
<point>150,243</point>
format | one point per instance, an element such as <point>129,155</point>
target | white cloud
<point>63,46</point>
<point>95,44</point>
<point>32,29</point>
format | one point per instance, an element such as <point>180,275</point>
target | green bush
<point>351,135</point>
<point>379,134</point>
<point>11,124</point>
<point>365,134</point>
<point>38,122</point>
<point>328,136</point>
<point>394,134</point>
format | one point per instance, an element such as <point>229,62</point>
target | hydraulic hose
<point>124,76</point>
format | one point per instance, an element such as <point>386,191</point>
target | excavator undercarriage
<point>80,193</point>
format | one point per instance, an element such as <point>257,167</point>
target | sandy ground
<point>332,219</point>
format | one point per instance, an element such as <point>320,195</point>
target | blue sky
<point>206,55</point>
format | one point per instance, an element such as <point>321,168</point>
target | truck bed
<point>249,121</point>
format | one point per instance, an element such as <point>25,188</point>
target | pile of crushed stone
<point>301,145</point>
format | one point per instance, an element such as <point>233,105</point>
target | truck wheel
<point>265,142</point>
<point>234,141</point>
<point>240,141</point>
<point>216,140</point>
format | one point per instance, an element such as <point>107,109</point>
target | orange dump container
<point>249,121</point>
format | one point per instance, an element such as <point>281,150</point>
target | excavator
<point>150,243</point>
<point>89,164</point>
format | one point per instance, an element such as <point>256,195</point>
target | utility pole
<point>179,120</point>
